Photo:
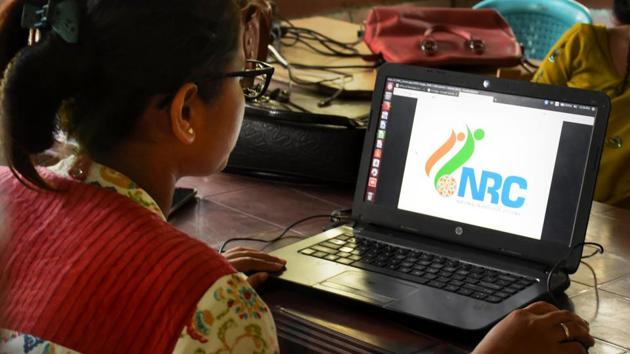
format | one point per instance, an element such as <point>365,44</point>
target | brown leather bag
<point>441,36</point>
<point>257,19</point>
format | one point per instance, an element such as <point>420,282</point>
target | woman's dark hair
<point>12,37</point>
<point>128,52</point>
<point>621,10</point>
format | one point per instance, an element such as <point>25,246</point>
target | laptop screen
<point>508,163</point>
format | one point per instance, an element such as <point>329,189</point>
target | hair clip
<point>61,16</point>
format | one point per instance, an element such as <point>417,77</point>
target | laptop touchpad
<point>370,286</point>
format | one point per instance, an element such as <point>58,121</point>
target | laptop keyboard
<point>421,267</point>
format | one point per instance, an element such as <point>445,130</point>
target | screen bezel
<point>540,251</point>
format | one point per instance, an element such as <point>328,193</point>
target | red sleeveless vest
<point>91,270</point>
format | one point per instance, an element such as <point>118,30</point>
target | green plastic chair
<point>538,24</point>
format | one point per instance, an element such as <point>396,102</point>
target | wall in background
<point>302,8</point>
<point>598,4</point>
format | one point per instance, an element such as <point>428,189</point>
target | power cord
<point>305,36</point>
<point>284,29</point>
<point>337,217</point>
<point>332,47</point>
<point>595,285</point>
<point>599,250</point>
<point>279,58</point>
<point>342,77</point>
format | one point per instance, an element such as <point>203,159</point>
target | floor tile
<point>605,348</point>
<point>277,205</point>
<point>213,223</point>
<point>619,286</point>
<point>339,197</point>
<point>220,183</point>
<point>577,289</point>
<point>610,320</point>
<point>610,232</point>
<point>608,266</point>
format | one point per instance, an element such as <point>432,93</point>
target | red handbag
<point>441,36</point>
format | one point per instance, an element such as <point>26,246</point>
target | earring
<point>191,131</point>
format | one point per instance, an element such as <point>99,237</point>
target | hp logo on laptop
<point>459,231</point>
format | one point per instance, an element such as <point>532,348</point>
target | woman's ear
<point>181,113</point>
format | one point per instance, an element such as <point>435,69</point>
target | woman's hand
<point>538,329</point>
<point>247,261</point>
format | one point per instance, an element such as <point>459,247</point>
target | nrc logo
<point>487,186</point>
<point>493,185</point>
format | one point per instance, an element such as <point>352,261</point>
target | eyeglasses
<point>255,78</point>
<point>254,81</point>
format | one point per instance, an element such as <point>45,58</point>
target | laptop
<point>470,190</point>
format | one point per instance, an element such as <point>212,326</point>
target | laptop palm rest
<point>371,287</point>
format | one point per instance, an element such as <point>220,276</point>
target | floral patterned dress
<point>230,317</point>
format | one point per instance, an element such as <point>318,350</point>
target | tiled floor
<point>609,266</point>
<point>213,223</point>
<point>606,348</point>
<point>620,286</point>
<point>608,318</point>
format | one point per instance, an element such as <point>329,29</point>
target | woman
<point>596,58</point>
<point>151,92</point>
<point>133,68</point>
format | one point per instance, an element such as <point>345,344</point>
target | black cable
<point>288,228</point>
<point>282,30</point>
<point>328,100</point>
<point>226,242</point>
<point>277,30</point>
<point>275,239</point>
<point>324,38</point>
<point>332,52</point>
<point>305,36</point>
<point>599,250</point>
<point>299,34</point>
<point>324,67</point>
<point>304,82</point>
<point>332,47</point>
<point>338,217</point>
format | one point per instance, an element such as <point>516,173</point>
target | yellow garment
<point>582,59</point>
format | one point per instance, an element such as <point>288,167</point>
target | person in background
<point>153,90</point>
<point>594,57</point>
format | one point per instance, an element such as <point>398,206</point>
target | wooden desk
<point>231,206</point>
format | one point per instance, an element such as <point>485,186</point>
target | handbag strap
<point>448,29</point>
<point>430,46</point>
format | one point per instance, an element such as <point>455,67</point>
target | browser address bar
<point>472,96</point>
